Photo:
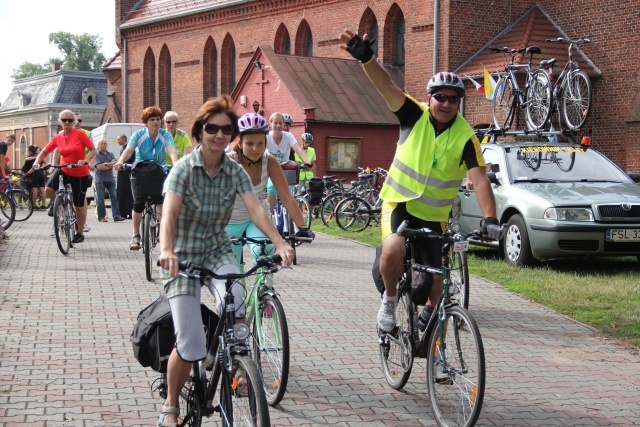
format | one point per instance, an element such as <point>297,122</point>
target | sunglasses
<point>68,120</point>
<point>441,98</point>
<point>79,120</point>
<point>171,122</point>
<point>212,129</point>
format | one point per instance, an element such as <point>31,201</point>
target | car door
<point>470,212</point>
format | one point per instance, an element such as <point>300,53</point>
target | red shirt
<point>72,150</point>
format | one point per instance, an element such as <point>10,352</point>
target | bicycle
<point>269,330</point>
<point>8,208</point>
<point>451,342</point>
<point>64,213</point>
<point>227,354</point>
<point>19,195</point>
<point>572,88</point>
<point>508,99</point>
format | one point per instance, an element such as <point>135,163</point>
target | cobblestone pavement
<point>66,360</point>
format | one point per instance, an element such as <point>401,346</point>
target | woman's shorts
<point>79,185</point>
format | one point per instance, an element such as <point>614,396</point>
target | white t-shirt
<point>281,151</point>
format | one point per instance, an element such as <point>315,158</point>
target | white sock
<point>388,299</point>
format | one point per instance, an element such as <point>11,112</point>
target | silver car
<point>558,200</point>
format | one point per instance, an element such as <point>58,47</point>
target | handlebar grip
<point>402,226</point>
<point>276,258</point>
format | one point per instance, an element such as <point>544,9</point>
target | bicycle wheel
<point>459,287</point>
<point>8,208</point>
<point>62,224</point>
<point>305,208</point>
<point>396,349</point>
<point>503,104</point>
<point>353,214</point>
<point>147,244</point>
<point>576,99</point>
<point>271,347</point>
<point>538,105</point>
<point>328,207</point>
<point>189,403</point>
<point>24,205</point>
<point>455,369</point>
<point>248,401</point>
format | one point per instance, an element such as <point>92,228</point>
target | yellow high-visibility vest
<point>426,171</point>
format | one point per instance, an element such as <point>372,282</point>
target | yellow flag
<point>489,84</point>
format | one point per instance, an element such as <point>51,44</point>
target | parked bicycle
<point>227,354</point>
<point>572,91</point>
<point>7,207</point>
<point>64,213</point>
<point>451,342</point>
<point>19,195</point>
<point>509,99</point>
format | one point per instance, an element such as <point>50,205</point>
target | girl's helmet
<point>307,137</point>
<point>446,79</point>
<point>253,123</point>
<point>287,118</point>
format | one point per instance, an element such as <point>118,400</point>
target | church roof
<point>149,11</point>
<point>532,29</point>
<point>337,89</point>
<point>115,63</point>
<point>59,87</point>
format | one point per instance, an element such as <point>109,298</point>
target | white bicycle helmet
<point>287,118</point>
<point>307,137</point>
<point>253,123</point>
<point>446,79</point>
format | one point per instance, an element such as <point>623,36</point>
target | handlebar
<point>190,270</point>
<point>68,165</point>
<point>581,40</point>
<point>405,231</point>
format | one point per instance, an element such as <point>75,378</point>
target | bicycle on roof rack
<point>509,99</point>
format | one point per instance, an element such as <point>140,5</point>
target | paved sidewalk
<point>66,360</point>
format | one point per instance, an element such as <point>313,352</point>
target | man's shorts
<point>79,185</point>
<point>394,214</point>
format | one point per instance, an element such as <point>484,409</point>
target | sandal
<point>135,243</point>
<point>167,410</point>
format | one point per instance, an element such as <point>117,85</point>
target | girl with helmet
<point>307,147</point>
<point>288,121</point>
<point>251,153</point>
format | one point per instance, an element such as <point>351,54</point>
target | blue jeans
<point>111,188</point>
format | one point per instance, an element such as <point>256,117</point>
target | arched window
<point>304,40</point>
<point>369,25</point>
<point>228,62</point>
<point>164,77</point>
<point>394,36</point>
<point>209,70</point>
<point>149,79</point>
<point>282,43</point>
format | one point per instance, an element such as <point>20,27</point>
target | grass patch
<point>600,292</point>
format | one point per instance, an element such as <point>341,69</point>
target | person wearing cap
<point>435,149</point>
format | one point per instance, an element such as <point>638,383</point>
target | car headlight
<point>569,214</point>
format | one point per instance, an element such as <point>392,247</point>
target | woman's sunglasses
<point>441,98</point>
<point>212,129</point>
<point>68,120</point>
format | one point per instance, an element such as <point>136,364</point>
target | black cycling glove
<point>361,49</point>
<point>491,228</point>
<point>305,232</point>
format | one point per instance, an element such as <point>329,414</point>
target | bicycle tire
<point>560,161</point>
<point>8,208</point>
<point>397,361</point>
<point>353,214</point>
<point>328,207</point>
<point>24,205</point>
<point>252,409</point>
<point>146,244</point>
<point>272,357</point>
<point>577,97</point>
<point>503,104</point>
<point>460,278</point>
<point>189,404</point>
<point>539,96</point>
<point>62,225</point>
<point>456,398</point>
<point>305,208</point>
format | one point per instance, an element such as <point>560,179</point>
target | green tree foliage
<point>81,53</point>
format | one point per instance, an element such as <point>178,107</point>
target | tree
<point>81,53</point>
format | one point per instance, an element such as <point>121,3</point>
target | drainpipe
<point>435,35</point>
<point>124,75</point>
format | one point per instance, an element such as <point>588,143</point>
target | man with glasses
<point>435,149</point>
<point>180,138</point>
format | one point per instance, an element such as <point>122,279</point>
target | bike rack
<point>494,134</point>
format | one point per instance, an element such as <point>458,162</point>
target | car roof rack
<point>492,135</point>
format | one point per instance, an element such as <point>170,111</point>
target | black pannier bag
<point>147,179</point>
<point>316,190</point>
<point>420,281</point>
<point>153,336</point>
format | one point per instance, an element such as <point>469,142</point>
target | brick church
<point>283,55</point>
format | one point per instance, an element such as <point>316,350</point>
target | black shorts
<point>139,206</point>
<point>79,185</point>
<point>394,214</point>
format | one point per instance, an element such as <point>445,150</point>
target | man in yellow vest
<point>436,148</point>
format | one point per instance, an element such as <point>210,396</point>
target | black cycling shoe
<point>78,238</point>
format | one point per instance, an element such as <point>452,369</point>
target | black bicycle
<point>242,399</point>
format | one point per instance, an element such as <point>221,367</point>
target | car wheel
<point>517,250</point>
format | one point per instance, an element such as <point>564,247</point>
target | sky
<point>26,25</point>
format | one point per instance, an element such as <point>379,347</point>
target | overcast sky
<point>25,26</point>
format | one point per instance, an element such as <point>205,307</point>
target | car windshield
<point>547,163</point>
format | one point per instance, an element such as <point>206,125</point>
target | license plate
<point>623,235</point>
<point>461,246</point>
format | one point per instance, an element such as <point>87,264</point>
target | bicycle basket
<point>316,189</point>
<point>147,179</point>
<point>292,176</point>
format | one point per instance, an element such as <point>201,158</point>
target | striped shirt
<point>207,203</point>
<point>146,149</point>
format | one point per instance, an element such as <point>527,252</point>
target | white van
<point>110,132</point>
